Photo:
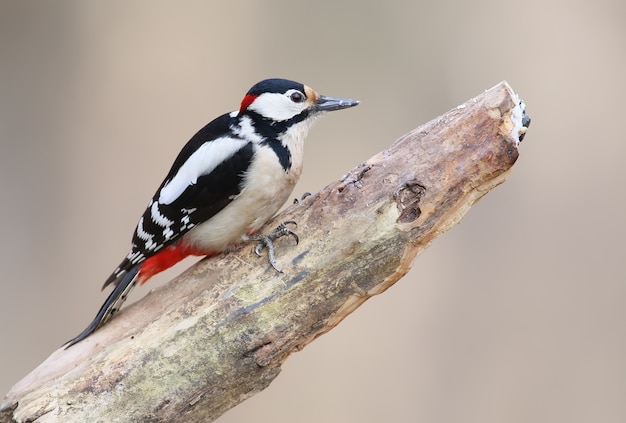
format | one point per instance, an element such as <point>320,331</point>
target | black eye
<point>297,97</point>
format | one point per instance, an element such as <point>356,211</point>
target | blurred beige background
<point>515,315</point>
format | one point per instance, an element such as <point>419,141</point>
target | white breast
<point>267,187</point>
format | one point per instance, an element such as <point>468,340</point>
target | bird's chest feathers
<point>293,139</point>
<point>267,177</point>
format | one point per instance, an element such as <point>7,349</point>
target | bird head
<point>282,100</point>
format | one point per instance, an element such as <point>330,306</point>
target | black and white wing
<point>205,177</point>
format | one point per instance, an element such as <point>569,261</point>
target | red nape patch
<point>247,101</point>
<point>165,259</point>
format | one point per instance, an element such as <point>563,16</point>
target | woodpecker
<point>226,183</point>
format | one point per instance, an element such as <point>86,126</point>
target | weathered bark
<point>219,333</point>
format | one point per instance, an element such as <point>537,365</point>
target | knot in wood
<point>408,197</point>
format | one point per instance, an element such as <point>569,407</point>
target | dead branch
<point>219,333</point>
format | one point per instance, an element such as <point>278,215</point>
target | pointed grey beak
<point>328,104</point>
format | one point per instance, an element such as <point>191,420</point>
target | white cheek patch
<point>202,162</point>
<point>276,106</point>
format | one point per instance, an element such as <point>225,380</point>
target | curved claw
<point>259,247</point>
<point>304,196</point>
<point>286,231</point>
<point>268,241</point>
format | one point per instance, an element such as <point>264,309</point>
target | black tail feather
<point>112,304</point>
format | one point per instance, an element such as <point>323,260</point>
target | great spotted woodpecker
<point>226,183</point>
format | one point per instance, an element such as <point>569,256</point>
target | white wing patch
<point>202,162</point>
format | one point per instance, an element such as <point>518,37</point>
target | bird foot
<point>268,241</point>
